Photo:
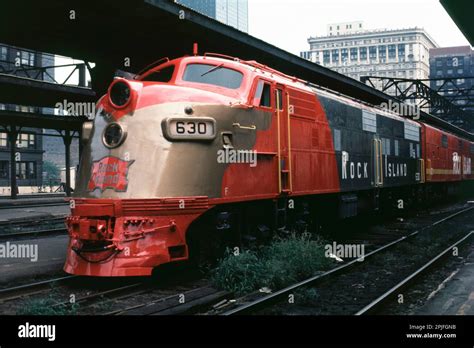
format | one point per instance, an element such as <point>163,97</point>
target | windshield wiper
<point>213,69</point>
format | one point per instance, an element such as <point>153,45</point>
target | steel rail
<point>37,233</point>
<point>269,299</point>
<point>32,288</point>
<point>382,299</point>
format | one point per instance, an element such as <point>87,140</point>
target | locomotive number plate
<point>189,128</point>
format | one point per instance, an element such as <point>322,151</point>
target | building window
<point>26,140</point>
<point>326,57</point>
<point>3,140</point>
<point>353,54</point>
<point>26,170</point>
<point>439,63</point>
<point>392,51</point>
<point>373,52</point>
<point>344,55</point>
<point>397,148</point>
<point>4,170</point>
<point>382,52</point>
<point>3,53</point>
<point>450,71</point>
<point>363,53</point>
<point>401,51</point>
<point>460,71</point>
<point>27,58</point>
<point>335,56</point>
<point>460,81</point>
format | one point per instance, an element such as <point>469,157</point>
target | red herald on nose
<point>109,173</point>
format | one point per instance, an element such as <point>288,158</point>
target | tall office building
<point>353,51</point>
<point>230,12</point>
<point>450,69</point>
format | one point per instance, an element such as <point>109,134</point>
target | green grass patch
<point>282,263</point>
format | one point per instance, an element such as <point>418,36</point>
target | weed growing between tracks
<point>45,306</point>
<point>282,263</point>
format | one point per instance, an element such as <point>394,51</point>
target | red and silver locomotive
<point>206,148</point>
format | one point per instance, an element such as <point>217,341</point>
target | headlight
<point>113,135</point>
<point>120,94</point>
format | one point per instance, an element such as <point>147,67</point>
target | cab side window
<point>263,95</point>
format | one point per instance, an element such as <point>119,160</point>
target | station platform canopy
<point>462,14</point>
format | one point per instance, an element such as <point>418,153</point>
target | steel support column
<point>67,139</point>
<point>12,132</point>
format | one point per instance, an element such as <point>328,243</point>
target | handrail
<point>289,141</point>
<point>152,65</point>
<point>278,136</point>
<point>252,127</point>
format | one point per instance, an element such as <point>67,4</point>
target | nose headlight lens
<point>120,94</point>
<point>113,135</point>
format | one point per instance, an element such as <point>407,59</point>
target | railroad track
<point>255,302</point>
<point>35,205</point>
<point>29,222</point>
<point>16,292</point>
<point>179,303</point>
<point>136,298</point>
<point>376,305</point>
<point>143,298</point>
<point>37,233</point>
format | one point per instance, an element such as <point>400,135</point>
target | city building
<point>452,74</point>
<point>230,12</point>
<point>29,144</point>
<point>351,50</point>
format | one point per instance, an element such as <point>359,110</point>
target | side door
<point>284,139</point>
<point>377,161</point>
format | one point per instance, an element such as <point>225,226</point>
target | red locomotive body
<point>200,146</point>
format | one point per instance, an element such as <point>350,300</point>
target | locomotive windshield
<point>213,75</point>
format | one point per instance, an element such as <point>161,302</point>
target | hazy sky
<point>288,23</point>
